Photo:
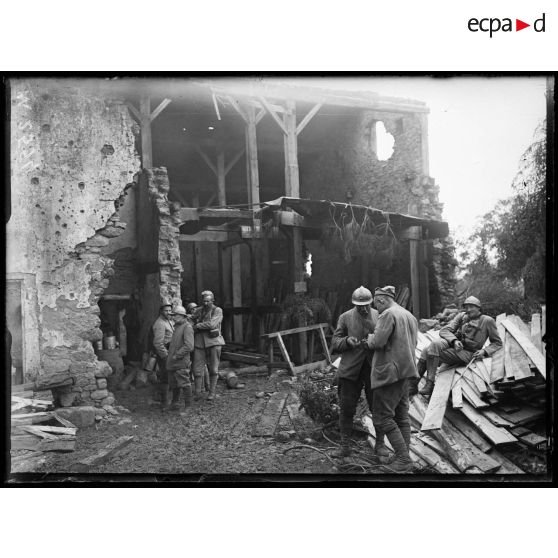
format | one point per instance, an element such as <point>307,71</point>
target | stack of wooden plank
<point>491,402</point>
<point>36,428</point>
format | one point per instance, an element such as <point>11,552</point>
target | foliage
<point>319,400</point>
<point>505,255</point>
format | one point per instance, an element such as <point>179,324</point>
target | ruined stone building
<point>129,192</point>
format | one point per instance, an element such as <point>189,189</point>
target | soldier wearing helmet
<point>178,360</point>
<point>354,370</point>
<point>208,342</point>
<point>461,341</point>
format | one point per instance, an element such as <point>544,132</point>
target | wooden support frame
<point>304,122</point>
<point>278,335</point>
<point>145,117</point>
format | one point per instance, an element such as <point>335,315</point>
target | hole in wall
<point>81,185</point>
<point>107,150</point>
<point>45,128</point>
<point>384,142</point>
<point>35,181</point>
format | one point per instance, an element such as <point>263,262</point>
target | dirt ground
<point>215,438</point>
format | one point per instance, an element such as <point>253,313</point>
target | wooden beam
<point>135,112</point>
<point>294,330</point>
<point>292,187</point>
<point>424,280</point>
<point>221,174</point>
<point>304,122</point>
<point>205,236</point>
<point>104,454</point>
<point>260,115</point>
<point>237,107</point>
<point>415,275</point>
<point>536,331</point>
<point>235,159</point>
<point>495,434</point>
<point>527,345</point>
<point>252,158</point>
<point>207,160</point>
<point>162,105</point>
<point>273,114</point>
<point>145,124</point>
<point>236,272</point>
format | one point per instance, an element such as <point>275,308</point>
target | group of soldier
<point>187,345</point>
<point>377,340</point>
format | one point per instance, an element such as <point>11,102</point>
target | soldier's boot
<point>198,383</point>
<point>187,392</point>
<point>212,387</point>
<point>414,382</point>
<point>175,404</point>
<point>346,428</point>
<point>380,448</point>
<point>165,403</point>
<point>432,365</point>
<point>402,462</point>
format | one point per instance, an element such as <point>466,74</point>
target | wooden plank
<point>543,327</point>
<point>533,440</point>
<point>507,467</point>
<point>160,108</point>
<point>31,418</point>
<point>525,415</point>
<point>32,430</point>
<point>456,395</point>
<point>324,343</point>
<point>536,336</point>
<point>242,357</point>
<point>294,330</point>
<point>415,275</point>
<point>63,421</point>
<point>267,423</point>
<point>438,401</point>
<point>285,354</point>
<point>30,402</point>
<point>103,455</point>
<point>252,171</point>
<point>467,429</point>
<point>308,367</point>
<point>516,362</point>
<point>432,458</point>
<point>478,378</point>
<point>495,434</point>
<point>497,371</point>
<point>53,429</point>
<point>468,390</point>
<point>496,419</point>
<point>302,423</point>
<point>526,344</point>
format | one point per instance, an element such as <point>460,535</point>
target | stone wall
<point>72,159</point>
<point>349,170</point>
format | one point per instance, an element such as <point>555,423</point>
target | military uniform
<point>354,370</point>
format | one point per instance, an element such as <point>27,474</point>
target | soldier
<point>178,359</point>
<point>208,342</point>
<point>161,334</point>
<point>461,341</point>
<point>393,342</point>
<point>354,370</point>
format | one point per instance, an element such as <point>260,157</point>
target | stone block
<point>78,368</point>
<point>102,383</point>
<point>111,232</point>
<point>99,394</point>
<point>79,416</point>
<point>107,401</point>
<point>103,369</point>
<point>97,241</point>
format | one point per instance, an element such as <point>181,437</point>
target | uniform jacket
<point>352,324</point>
<point>394,343</point>
<point>473,333</point>
<point>162,331</point>
<point>181,345</point>
<point>206,321</point>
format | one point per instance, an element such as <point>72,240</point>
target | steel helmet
<point>473,300</point>
<point>207,294</point>
<point>180,310</point>
<point>191,306</point>
<point>361,296</point>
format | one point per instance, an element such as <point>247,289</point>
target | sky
<point>478,129</point>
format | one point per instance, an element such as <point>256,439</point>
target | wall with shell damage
<point>349,170</point>
<point>72,159</point>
